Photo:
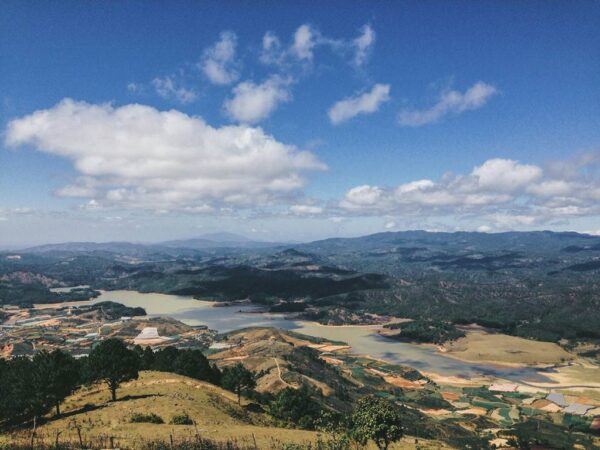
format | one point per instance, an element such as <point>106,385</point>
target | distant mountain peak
<point>224,237</point>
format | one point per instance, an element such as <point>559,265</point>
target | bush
<point>182,419</point>
<point>146,418</point>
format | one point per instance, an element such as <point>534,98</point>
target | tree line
<point>32,387</point>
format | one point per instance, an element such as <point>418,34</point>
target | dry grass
<point>479,346</point>
<point>264,350</point>
<point>214,410</point>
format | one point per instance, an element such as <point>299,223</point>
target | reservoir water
<point>363,340</point>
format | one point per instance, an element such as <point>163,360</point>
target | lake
<point>362,339</point>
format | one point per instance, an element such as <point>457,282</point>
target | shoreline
<point>306,326</point>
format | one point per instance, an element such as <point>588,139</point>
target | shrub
<point>145,418</point>
<point>182,419</point>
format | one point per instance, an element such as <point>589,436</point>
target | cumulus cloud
<point>503,193</point>
<point>252,102</point>
<point>365,198</point>
<point>366,103</point>
<point>449,102</point>
<point>167,88</point>
<point>137,156</point>
<point>363,45</point>
<point>505,175</point>
<point>218,62</point>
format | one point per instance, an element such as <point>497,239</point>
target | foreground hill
<point>215,411</point>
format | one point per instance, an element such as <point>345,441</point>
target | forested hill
<point>395,252</point>
<point>540,284</point>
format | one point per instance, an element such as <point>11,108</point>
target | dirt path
<point>279,372</point>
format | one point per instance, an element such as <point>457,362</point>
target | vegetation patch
<point>427,331</point>
<point>145,418</point>
<point>182,419</point>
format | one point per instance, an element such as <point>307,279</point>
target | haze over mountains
<point>536,241</point>
<point>205,241</point>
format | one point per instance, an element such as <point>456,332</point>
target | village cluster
<point>76,328</point>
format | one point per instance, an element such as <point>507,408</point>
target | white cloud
<point>449,102</point>
<point>85,187</point>
<point>552,188</point>
<point>307,39</point>
<point>490,183</point>
<point>506,175</point>
<point>137,156</point>
<point>363,45</point>
<point>504,193</point>
<point>252,102</point>
<point>503,221</point>
<point>271,49</point>
<point>270,41</point>
<point>304,42</point>
<point>218,62</point>
<point>364,197</point>
<point>303,210</point>
<point>366,103</point>
<point>273,53</point>
<point>389,225</point>
<point>167,88</point>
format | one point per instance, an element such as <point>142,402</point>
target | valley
<point>424,325</point>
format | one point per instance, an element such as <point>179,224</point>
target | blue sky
<point>294,120</point>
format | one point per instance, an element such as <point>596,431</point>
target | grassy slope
<point>278,357</point>
<point>215,411</point>
<point>480,346</point>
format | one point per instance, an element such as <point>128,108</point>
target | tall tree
<point>296,406</point>
<point>238,379</point>
<point>377,419</point>
<point>112,362</point>
<point>17,399</point>
<point>55,376</point>
<point>193,363</point>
